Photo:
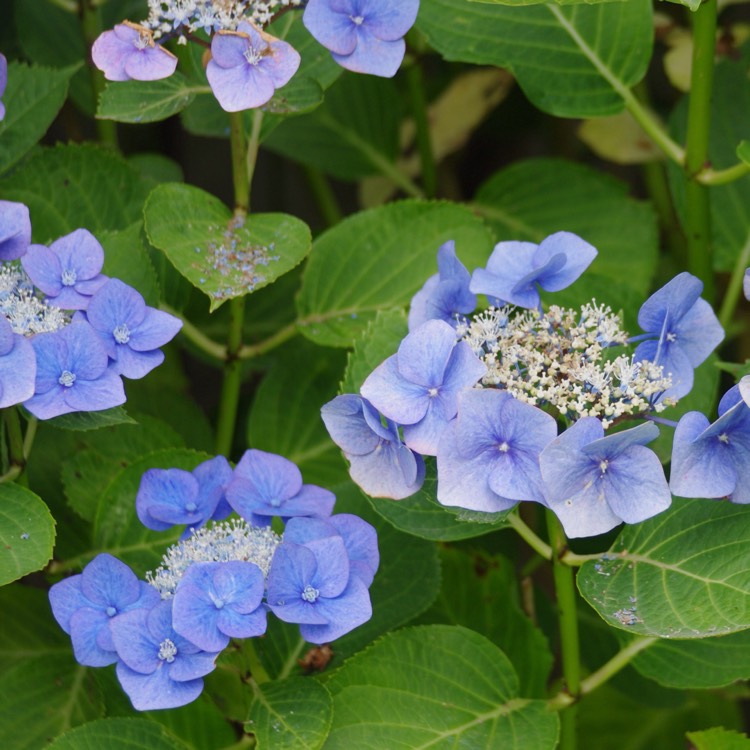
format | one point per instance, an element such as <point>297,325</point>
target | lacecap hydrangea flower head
<point>68,333</point>
<point>526,400</point>
<point>247,63</point>
<point>222,579</point>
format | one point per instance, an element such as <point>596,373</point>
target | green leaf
<point>682,574</point>
<point>117,528</point>
<point>571,61</point>
<point>730,203</point>
<point>361,265</point>
<point>51,36</point>
<point>127,259</point>
<point>105,454</point>
<point>609,718</point>
<point>118,734</point>
<point>285,416</point>
<point>213,251</point>
<point>743,151</point>
<point>692,4</point>
<point>352,135</point>
<point>538,2</point>
<point>439,687</point>
<point>146,101</point>
<point>67,692</point>
<point>32,100</point>
<point>378,341</point>
<point>701,663</point>
<point>422,515</point>
<point>293,714</point>
<point>479,592</point>
<point>718,739</point>
<point>536,197</point>
<point>67,187</point>
<point>92,420</point>
<point>29,631</point>
<point>200,724</point>
<point>27,532</point>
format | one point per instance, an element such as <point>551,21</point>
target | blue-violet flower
<point>129,52</point>
<point>158,668</point>
<point>379,462</point>
<point>247,66</point>
<point>69,270</point>
<point>515,270</point>
<point>418,386</point>
<point>131,331</point>
<point>15,230</point>
<point>445,296</point>
<point>365,36</point>
<point>17,366</point>
<point>713,460</point>
<point>167,497</point>
<point>84,605</point>
<point>72,373</point>
<point>265,485</point>
<point>216,601</point>
<point>488,458</point>
<point>311,585</point>
<point>593,482</point>
<point>685,330</point>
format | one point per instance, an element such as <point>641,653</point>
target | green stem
<point>257,670</point>
<point>642,115</point>
<point>243,155</point>
<point>620,660</point>
<point>697,207</point>
<point>571,559</point>
<point>28,439</point>
<point>291,660</point>
<point>253,145</point>
<point>655,179</point>
<point>239,150</point>
<point>12,421</point>
<point>91,24</point>
<point>723,176</point>
<point>568,620</point>
<point>529,536</point>
<point>197,337</point>
<point>415,81</point>
<point>281,336</point>
<point>323,196</point>
<point>734,290</point>
<point>230,389</point>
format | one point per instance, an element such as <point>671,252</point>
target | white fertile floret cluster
<point>27,313</point>
<point>564,359</point>
<point>224,541</point>
<point>190,16</point>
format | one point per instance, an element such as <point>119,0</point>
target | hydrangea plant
<point>273,477</point>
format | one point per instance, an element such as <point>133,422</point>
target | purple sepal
<point>15,223</point>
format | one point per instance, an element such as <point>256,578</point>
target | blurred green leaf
<point>32,100</point>
<point>67,187</point>
<point>27,532</point>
